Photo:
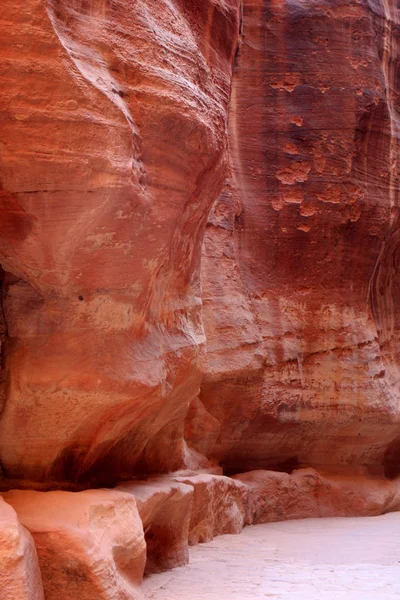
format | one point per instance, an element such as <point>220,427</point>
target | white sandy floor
<point>310,559</point>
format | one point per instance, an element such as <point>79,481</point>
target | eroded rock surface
<point>336,559</point>
<point>305,493</point>
<point>90,544</point>
<point>192,509</point>
<point>100,542</point>
<point>114,149</point>
<point>165,508</point>
<point>19,568</point>
<point>219,506</point>
<point>300,275</point>
<point>132,135</point>
<point>112,152</point>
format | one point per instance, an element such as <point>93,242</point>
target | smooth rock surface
<point>20,577</point>
<point>219,506</point>
<point>306,493</point>
<point>165,508</point>
<point>90,544</point>
<point>333,559</point>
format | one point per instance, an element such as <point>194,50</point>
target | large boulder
<point>19,568</point>
<point>90,544</point>
<point>306,493</point>
<point>219,506</point>
<point>164,506</point>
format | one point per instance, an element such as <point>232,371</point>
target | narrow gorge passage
<point>199,299</point>
<point>307,559</point>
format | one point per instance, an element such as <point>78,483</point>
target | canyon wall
<point>135,133</point>
<point>199,229</point>
<point>114,118</point>
<point>300,259</point>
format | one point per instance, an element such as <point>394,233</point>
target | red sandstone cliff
<point>135,133</point>
<point>300,260</point>
<point>114,150</point>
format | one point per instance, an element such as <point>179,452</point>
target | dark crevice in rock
<point>239,41</point>
<point>391,462</point>
<point>287,465</point>
<point>3,341</point>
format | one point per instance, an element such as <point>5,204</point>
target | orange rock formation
<point>199,223</point>
<point>113,151</point>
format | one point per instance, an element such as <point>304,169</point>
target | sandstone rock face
<point>276,496</point>
<point>165,508</point>
<point>19,568</point>
<point>300,261</point>
<point>90,544</point>
<point>113,150</point>
<point>219,506</point>
<point>199,270</point>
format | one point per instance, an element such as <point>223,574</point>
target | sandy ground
<point>324,559</point>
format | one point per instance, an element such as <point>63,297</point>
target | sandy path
<point>323,559</point>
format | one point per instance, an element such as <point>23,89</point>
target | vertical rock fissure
<point>197,411</point>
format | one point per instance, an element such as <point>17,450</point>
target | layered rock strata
<point>114,123</point>
<point>113,150</point>
<point>300,259</point>
<point>126,129</point>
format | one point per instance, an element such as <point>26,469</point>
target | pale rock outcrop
<point>90,544</point>
<point>165,508</point>
<point>181,509</point>
<point>346,559</point>
<point>19,568</point>
<point>218,507</point>
<point>305,493</point>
